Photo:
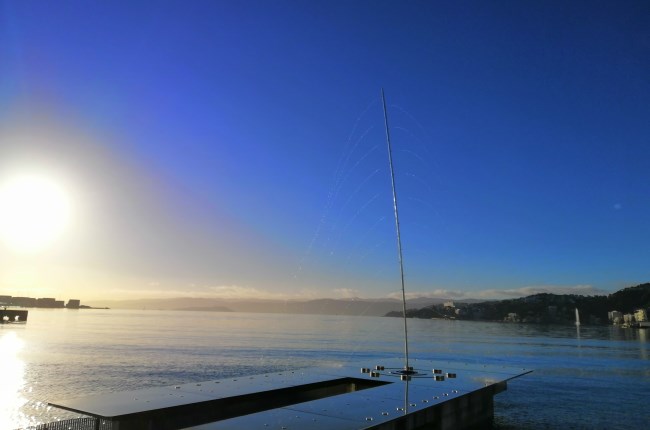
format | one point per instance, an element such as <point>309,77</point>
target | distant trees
<point>631,298</point>
<point>542,308</point>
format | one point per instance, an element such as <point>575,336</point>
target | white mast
<point>407,368</point>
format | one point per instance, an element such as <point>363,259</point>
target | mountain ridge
<point>323,306</point>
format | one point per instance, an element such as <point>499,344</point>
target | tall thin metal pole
<point>399,238</point>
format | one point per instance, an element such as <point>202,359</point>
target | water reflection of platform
<point>440,395</point>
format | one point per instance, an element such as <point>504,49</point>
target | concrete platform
<point>439,395</point>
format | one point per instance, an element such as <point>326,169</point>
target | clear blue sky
<point>221,148</point>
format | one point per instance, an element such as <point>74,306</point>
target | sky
<point>237,149</point>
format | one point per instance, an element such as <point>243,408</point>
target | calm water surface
<point>594,378</point>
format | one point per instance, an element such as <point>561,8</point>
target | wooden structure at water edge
<point>12,316</point>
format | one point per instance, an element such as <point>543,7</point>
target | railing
<point>75,424</point>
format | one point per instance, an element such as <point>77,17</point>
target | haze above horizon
<point>236,149</point>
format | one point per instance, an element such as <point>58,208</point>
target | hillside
<point>542,308</point>
<point>367,307</point>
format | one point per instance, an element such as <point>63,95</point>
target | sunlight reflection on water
<point>63,354</point>
<point>12,381</point>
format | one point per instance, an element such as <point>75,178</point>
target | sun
<point>34,211</point>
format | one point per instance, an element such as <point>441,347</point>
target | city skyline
<point>238,150</point>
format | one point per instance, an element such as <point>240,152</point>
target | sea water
<point>592,377</point>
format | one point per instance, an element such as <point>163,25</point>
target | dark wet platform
<point>439,395</point>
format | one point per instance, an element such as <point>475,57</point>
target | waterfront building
<point>25,302</point>
<point>46,302</point>
<point>640,315</point>
<point>615,317</point>
<point>512,317</point>
<point>73,304</point>
<point>629,319</point>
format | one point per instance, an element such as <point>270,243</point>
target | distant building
<point>615,316</point>
<point>512,317</point>
<point>628,319</point>
<point>25,302</point>
<point>640,315</point>
<point>73,304</point>
<point>449,305</point>
<point>46,302</point>
<point>43,302</point>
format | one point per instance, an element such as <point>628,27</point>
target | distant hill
<point>532,308</point>
<point>628,299</point>
<point>356,306</point>
<point>541,308</point>
<point>206,309</point>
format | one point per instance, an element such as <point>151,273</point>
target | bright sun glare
<point>34,211</point>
